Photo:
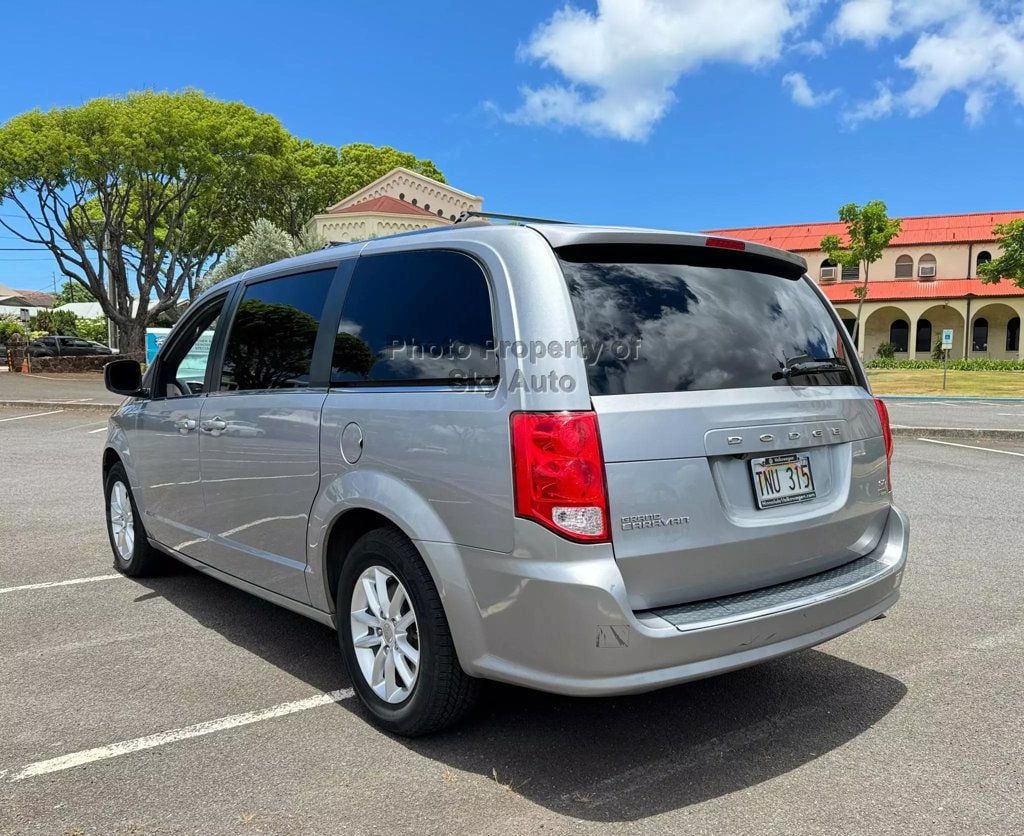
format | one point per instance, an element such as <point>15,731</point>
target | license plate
<point>780,480</point>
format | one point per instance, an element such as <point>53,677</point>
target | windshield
<point>678,327</point>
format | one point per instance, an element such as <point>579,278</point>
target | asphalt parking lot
<point>179,705</point>
<point>957,412</point>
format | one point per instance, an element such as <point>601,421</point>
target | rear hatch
<point>740,448</point>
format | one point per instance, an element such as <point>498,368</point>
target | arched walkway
<point>849,318</point>
<point>878,329</point>
<point>941,317</point>
<point>992,342</point>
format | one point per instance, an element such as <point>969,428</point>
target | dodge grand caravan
<point>585,460</point>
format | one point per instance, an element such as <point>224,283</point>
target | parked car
<point>59,346</point>
<point>582,459</point>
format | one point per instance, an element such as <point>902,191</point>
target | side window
<point>270,344</point>
<point>181,370</point>
<point>416,318</point>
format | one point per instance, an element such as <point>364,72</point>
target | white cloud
<point>620,64</point>
<point>959,46</point>
<point>864,20</point>
<point>881,105</point>
<point>802,93</point>
<point>976,56</point>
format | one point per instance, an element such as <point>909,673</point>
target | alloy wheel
<point>385,634</point>
<point>122,522</point>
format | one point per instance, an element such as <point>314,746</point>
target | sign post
<point>947,345</point>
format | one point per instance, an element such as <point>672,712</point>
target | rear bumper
<point>565,625</point>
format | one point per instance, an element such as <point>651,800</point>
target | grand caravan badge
<point>637,521</point>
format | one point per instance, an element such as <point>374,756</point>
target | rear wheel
<point>133,556</point>
<point>396,639</point>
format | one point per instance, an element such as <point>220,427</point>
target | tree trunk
<point>858,339</point>
<point>133,338</point>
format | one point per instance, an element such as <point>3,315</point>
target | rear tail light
<point>883,416</point>
<point>725,243</point>
<point>558,471</point>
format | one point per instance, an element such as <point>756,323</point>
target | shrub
<point>9,326</point>
<point>54,322</point>
<point>886,351</point>
<point>92,329</point>
<point>973,365</point>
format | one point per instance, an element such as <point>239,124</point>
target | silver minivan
<point>588,460</point>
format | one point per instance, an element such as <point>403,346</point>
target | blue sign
<point>154,339</point>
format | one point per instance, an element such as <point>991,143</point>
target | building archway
<point>899,335</point>
<point>940,317</point>
<point>849,319</point>
<point>992,330</point>
<point>878,329</point>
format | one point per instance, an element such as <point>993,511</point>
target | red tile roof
<point>927,229</point>
<point>386,205</point>
<point>910,289</point>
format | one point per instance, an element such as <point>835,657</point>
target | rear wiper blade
<point>810,367</point>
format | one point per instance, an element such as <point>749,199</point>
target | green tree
<point>72,291</point>
<point>92,329</point>
<point>54,322</point>
<point>311,176</point>
<point>263,244</point>
<point>1009,265</point>
<point>869,230</point>
<point>134,196</point>
<point>362,163</point>
<point>11,327</point>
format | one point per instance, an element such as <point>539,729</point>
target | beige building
<point>926,280</point>
<point>400,201</point>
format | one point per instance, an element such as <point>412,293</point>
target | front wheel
<point>395,637</point>
<point>133,556</point>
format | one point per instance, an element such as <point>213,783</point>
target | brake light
<point>883,416</point>
<point>558,471</point>
<point>725,243</point>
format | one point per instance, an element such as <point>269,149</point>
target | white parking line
<point>51,584</point>
<point>972,447</point>
<point>33,415</point>
<point>100,430</point>
<point>126,747</point>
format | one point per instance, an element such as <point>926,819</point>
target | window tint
<point>678,327</point>
<point>182,368</point>
<point>270,344</point>
<point>416,318</point>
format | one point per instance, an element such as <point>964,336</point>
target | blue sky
<point>686,115</point>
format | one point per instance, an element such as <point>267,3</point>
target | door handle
<point>214,425</point>
<point>184,425</point>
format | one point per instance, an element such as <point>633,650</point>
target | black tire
<point>443,693</point>
<point>144,559</point>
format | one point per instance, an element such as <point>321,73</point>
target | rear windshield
<point>681,327</point>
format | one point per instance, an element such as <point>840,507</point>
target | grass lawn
<point>929,382</point>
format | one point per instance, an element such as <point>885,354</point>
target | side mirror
<point>124,377</point>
